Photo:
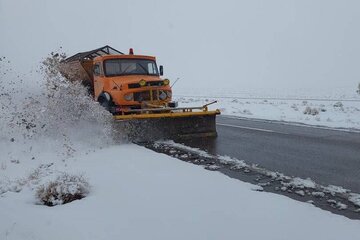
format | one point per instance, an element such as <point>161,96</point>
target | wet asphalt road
<point>326,156</point>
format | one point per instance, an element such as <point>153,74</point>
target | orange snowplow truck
<point>131,88</point>
<point>121,83</point>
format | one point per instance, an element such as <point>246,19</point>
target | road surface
<point>325,155</point>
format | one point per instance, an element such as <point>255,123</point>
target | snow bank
<point>320,112</point>
<point>142,190</point>
<point>302,187</point>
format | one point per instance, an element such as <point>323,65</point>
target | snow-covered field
<point>138,194</point>
<point>130,192</point>
<point>336,111</point>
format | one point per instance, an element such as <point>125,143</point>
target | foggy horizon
<point>235,45</point>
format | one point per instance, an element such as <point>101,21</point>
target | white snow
<point>223,159</point>
<point>183,147</point>
<point>335,189</point>
<point>140,194</point>
<point>320,111</point>
<point>341,206</point>
<point>288,183</point>
<point>355,198</point>
<point>300,192</point>
<point>301,183</point>
<point>318,194</point>
<point>134,193</point>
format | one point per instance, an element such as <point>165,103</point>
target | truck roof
<point>104,53</point>
<point>123,56</point>
<point>89,55</point>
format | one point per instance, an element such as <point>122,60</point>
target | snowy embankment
<point>322,111</point>
<point>137,194</point>
<point>133,193</point>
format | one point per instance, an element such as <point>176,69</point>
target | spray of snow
<point>60,109</point>
<point>42,114</point>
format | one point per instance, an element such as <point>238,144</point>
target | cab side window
<point>97,69</point>
<point>151,68</point>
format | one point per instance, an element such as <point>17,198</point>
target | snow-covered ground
<point>134,193</point>
<point>138,194</point>
<point>339,111</point>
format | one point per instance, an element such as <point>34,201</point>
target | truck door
<point>98,83</point>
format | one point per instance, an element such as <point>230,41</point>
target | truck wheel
<point>88,86</point>
<point>105,101</point>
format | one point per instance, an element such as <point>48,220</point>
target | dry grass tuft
<point>66,188</point>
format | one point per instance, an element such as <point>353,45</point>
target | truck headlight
<point>166,82</point>
<point>162,95</point>
<point>142,82</point>
<point>128,96</point>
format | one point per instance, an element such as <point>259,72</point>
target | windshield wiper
<point>147,72</point>
<point>124,72</point>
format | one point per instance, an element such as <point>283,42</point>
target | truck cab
<point>120,82</point>
<point>126,82</point>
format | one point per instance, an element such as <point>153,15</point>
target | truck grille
<point>146,96</point>
<point>153,83</point>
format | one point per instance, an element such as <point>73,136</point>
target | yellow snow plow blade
<point>168,123</point>
<point>166,115</point>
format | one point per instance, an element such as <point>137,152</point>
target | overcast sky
<point>236,45</point>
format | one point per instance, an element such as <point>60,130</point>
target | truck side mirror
<point>161,70</point>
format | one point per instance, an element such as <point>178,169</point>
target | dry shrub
<point>311,111</point>
<point>338,105</point>
<point>66,188</point>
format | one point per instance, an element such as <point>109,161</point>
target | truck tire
<point>105,101</point>
<point>87,84</point>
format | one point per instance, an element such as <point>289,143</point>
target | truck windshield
<point>118,67</point>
